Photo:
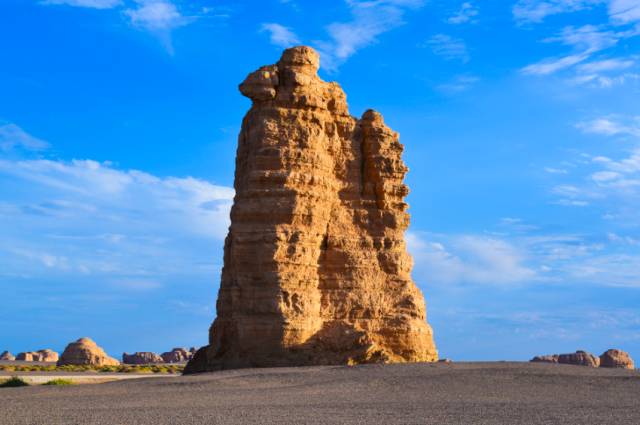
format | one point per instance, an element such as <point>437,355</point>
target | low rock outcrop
<point>177,355</point>
<point>316,269</point>
<point>141,357</point>
<point>579,358</point>
<point>616,359</point>
<point>553,358</point>
<point>7,356</point>
<point>38,356</point>
<point>85,352</point>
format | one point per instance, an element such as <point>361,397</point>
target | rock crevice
<point>315,264</point>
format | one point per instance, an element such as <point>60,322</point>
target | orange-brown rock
<point>617,359</point>
<point>315,263</point>
<point>85,352</point>
<point>38,356</point>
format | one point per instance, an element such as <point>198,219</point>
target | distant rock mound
<point>85,352</point>
<point>553,358</point>
<point>616,359</point>
<point>612,358</point>
<point>178,355</point>
<point>141,357</point>
<point>579,358</point>
<point>316,269</point>
<point>38,356</point>
<point>7,356</point>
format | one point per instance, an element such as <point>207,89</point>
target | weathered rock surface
<point>553,358</point>
<point>177,355</point>
<point>141,357</point>
<point>315,263</point>
<point>579,358</point>
<point>7,356</point>
<point>38,356</point>
<point>616,359</point>
<point>85,352</point>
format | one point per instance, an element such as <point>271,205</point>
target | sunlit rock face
<point>315,263</point>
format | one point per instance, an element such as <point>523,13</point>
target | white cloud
<point>94,4</point>
<point>448,47</point>
<point>458,84</point>
<point>550,66</point>
<point>89,218</point>
<point>468,259</point>
<point>610,126</point>
<point>535,11</point>
<point>466,13</point>
<point>156,15</point>
<point>371,18</point>
<point>624,11</point>
<point>586,41</point>
<point>13,137</point>
<point>279,35</point>
<point>606,65</point>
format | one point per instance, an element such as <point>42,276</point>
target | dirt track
<point>463,393</point>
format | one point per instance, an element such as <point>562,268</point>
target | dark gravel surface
<point>459,393</point>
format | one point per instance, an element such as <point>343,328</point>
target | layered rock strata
<point>612,358</point>
<point>7,356</point>
<point>85,352</point>
<point>315,263</point>
<point>46,355</point>
<point>178,355</point>
<point>141,357</point>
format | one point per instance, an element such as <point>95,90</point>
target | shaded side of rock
<point>85,352</point>
<point>7,356</point>
<point>616,359</point>
<point>141,357</point>
<point>177,355</point>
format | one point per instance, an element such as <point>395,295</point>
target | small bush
<point>59,381</point>
<point>14,382</point>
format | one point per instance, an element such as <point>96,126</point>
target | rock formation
<point>579,358</point>
<point>616,358</point>
<point>141,357</point>
<point>85,352</point>
<point>177,355</point>
<point>7,356</point>
<point>38,356</point>
<point>315,263</point>
<point>553,358</point>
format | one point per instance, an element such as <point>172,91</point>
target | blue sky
<point>520,118</point>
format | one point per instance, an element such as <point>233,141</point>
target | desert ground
<point>458,393</point>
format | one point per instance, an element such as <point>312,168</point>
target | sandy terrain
<point>462,393</point>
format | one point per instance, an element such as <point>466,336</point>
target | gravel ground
<point>459,393</point>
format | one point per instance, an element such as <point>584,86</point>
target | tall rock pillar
<point>315,264</point>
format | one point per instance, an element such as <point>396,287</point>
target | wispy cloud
<point>90,218</point>
<point>370,19</point>
<point>458,84</point>
<point>448,47</point>
<point>535,11</point>
<point>586,41</point>
<point>13,137</point>
<point>611,126</point>
<point>94,4</point>
<point>624,11</point>
<point>467,13</point>
<point>280,35</point>
<point>156,15</point>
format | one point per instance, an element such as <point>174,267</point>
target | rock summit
<point>85,352</point>
<point>316,269</point>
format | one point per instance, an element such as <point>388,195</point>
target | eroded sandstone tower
<point>315,264</point>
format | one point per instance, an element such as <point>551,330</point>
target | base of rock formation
<point>7,356</point>
<point>85,352</point>
<point>316,269</point>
